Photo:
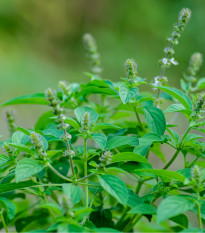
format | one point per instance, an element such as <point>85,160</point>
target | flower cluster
<point>11,121</point>
<point>105,158</point>
<point>8,149</point>
<point>194,66</point>
<point>53,101</point>
<point>199,107</point>
<point>130,69</point>
<point>38,144</point>
<point>159,81</point>
<point>58,111</point>
<point>85,121</point>
<point>183,19</point>
<point>92,53</point>
<point>64,87</point>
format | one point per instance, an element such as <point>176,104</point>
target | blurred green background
<point>41,42</point>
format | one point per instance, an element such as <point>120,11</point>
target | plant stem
<point>58,174</point>
<point>138,118</point>
<point>3,222</point>
<point>70,156</point>
<point>172,159</point>
<point>193,162</point>
<point>139,185</point>
<point>178,150</point>
<point>182,142</point>
<point>85,177</point>
<point>199,215</point>
<point>44,197</point>
<point>85,171</point>
<point>135,218</point>
<point>162,74</point>
<point>118,224</point>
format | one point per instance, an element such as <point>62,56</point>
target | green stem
<point>58,174</point>
<point>199,215</point>
<point>44,197</point>
<point>135,218</point>
<point>3,222</point>
<point>85,177</point>
<point>193,162</point>
<point>172,159</point>
<point>178,150</point>
<point>119,222</point>
<point>139,185</point>
<point>138,118</point>
<point>183,138</point>
<point>70,156</point>
<point>85,171</point>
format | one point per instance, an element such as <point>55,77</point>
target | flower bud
<point>8,149</point>
<point>38,144</point>
<point>195,64</point>
<point>196,173</point>
<point>199,107</point>
<point>106,157</point>
<point>85,121</point>
<point>92,53</point>
<point>66,137</point>
<point>184,16</point>
<point>64,87</point>
<point>130,69</point>
<point>11,121</point>
<point>50,94</point>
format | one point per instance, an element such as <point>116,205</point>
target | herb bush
<point>84,167</point>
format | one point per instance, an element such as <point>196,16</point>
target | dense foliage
<point>84,166</point>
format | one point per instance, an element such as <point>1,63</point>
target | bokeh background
<point>41,43</point>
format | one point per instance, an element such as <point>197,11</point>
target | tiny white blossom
<point>174,62</point>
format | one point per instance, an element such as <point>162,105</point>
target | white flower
<point>174,62</point>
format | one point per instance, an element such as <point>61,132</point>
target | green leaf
<point>156,149</point>
<point>88,90</point>
<point>4,159</point>
<point>101,126</point>
<point>133,199</point>
<point>73,192</point>
<point>126,94</point>
<point>181,220</point>
<point>155,119</point>
<point>25,131</point>
<point>54,207</point>
<point>105,229</point>
<point>143,209</point>
<point>173,206</point>
<point>200,84</point>
<point>179,95</point>
<point>100,139</point>
<point>128,156</point>
<point>19,138</point>
<point>38,98</point>
<point>66,228</point>
<point>121,141</point>
<point>200,163</point>
<point>72,122</point>
<point>23,148</point>
<point>179,108</point>
<point>9,207</point>
<point>26,168</point>
<point>44,120</point>
<point>145,142</point>
<point>15,186</point>
<point>80,113</point>
<point>166,174</point>
<point>115,187</point>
